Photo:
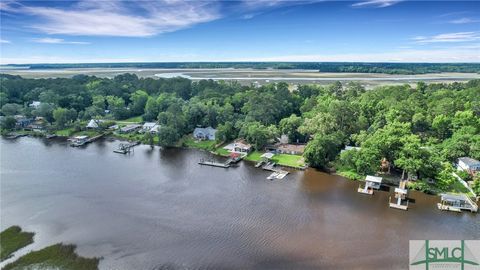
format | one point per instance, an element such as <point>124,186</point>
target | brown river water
<point>159,209</point>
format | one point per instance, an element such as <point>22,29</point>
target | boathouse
<point>371,183</point>
<point>456,203</point>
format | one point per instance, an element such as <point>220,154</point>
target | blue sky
<point>270,30</point>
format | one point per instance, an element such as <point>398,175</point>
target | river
<point>159,209</point>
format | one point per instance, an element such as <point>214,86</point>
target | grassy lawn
<point>190,142</point>
<point>222,152</point>
<point>13,239</point>
<point>254,156</point>
<point>136,119</point>
<point>58,256</point>
<point>65,132</point>
<point>289,160</point>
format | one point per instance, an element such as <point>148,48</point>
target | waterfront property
<point>371,183</point>
<point>241,146</point>
<point>400,197</point>
<point>469,165</point>
<point>79,140</point>
<point>456,203</point>
<point>151,127</point>
<point>130,128</point>
<point>207,133</point>
<point>94,124</point>
<point>287,148</point>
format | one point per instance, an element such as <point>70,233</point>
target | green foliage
<point>64,116</point>
<point>257,134</point>
<point>8,123</point>
<point>58,256</point>
<point>322,149</point>
<point>13,239</point>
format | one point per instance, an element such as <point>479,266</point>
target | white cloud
<point>448,37</point>
<point>5,41</point>
<point>121,18</point>
<point>464,21</point>
<point>58,41</point>
<point>376,3</point>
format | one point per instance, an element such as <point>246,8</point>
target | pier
<point>215,164</point>
<point>82,140</point>
<point>400,196</point>
<point>125,148</point>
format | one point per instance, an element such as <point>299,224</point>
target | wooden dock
<point>279,174</point>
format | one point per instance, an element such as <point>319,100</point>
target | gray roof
<point>375,179</point>
<point>469,161</point>
<point>453,197</point>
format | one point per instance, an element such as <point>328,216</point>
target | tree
<point>289,126</point>
<point>322,149</point>
<point>151,109</point>
<point>226,132</point>
<point>8,123</point>
<point>11,109</point>
<point>139,100</point>
<point>257,134</point>
<point>167,136</point>
<point>45,110</point>
<point>64,116</point>
<point>116,105</point>
<point>411,156</point>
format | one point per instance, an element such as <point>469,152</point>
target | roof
<point>469,161</point>
<point>267,155</point>
<point>35,104</point>
<point>375,179</point>
<point>352,148</point>
<point>93,123</point>
<point>207,130</point>
<point>149,125</point>
<point>400,190</point>
<point>453,197</point>
<point>242,143</point>
<point>81,137</point>
<point>299,148</point>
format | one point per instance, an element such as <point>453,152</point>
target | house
<point>456,203</point>
<point>288,148</point>
<point>34,104</point>
<point>94,123</point>
<point>371,182</point>
<point>130,128</point>
<point>469,165</point>
<point>241,146</point>
<point>151,127</point>
<point>207,133</point>
<point>23,121</point>
<point>37,125</point>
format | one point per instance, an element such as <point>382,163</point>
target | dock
<point>125,148</point>
<point>278,174</point>
<point>82,140</point>
<point>456,203</point>
<point>214,164</point>
<point>400,196</point>
<point>371,183</point>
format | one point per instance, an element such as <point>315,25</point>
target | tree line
<point>420,130</point>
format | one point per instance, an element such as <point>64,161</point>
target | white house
<point>94,123</point>
<point>241,146</point>
<point>469,165</point>
<point>151,127</point>
<point>207,133</point>
<point>34,104</point>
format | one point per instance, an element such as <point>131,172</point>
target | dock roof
<point>375,179</point>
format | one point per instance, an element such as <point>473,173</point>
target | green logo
<point>449,253</point>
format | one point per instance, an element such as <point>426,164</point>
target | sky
<point>91,31</point>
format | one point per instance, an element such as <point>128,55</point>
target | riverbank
<point>58,256</point>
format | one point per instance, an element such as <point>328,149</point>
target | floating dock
<point>214,164</point>
<point>279,174</point>
<point>125,148</point>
